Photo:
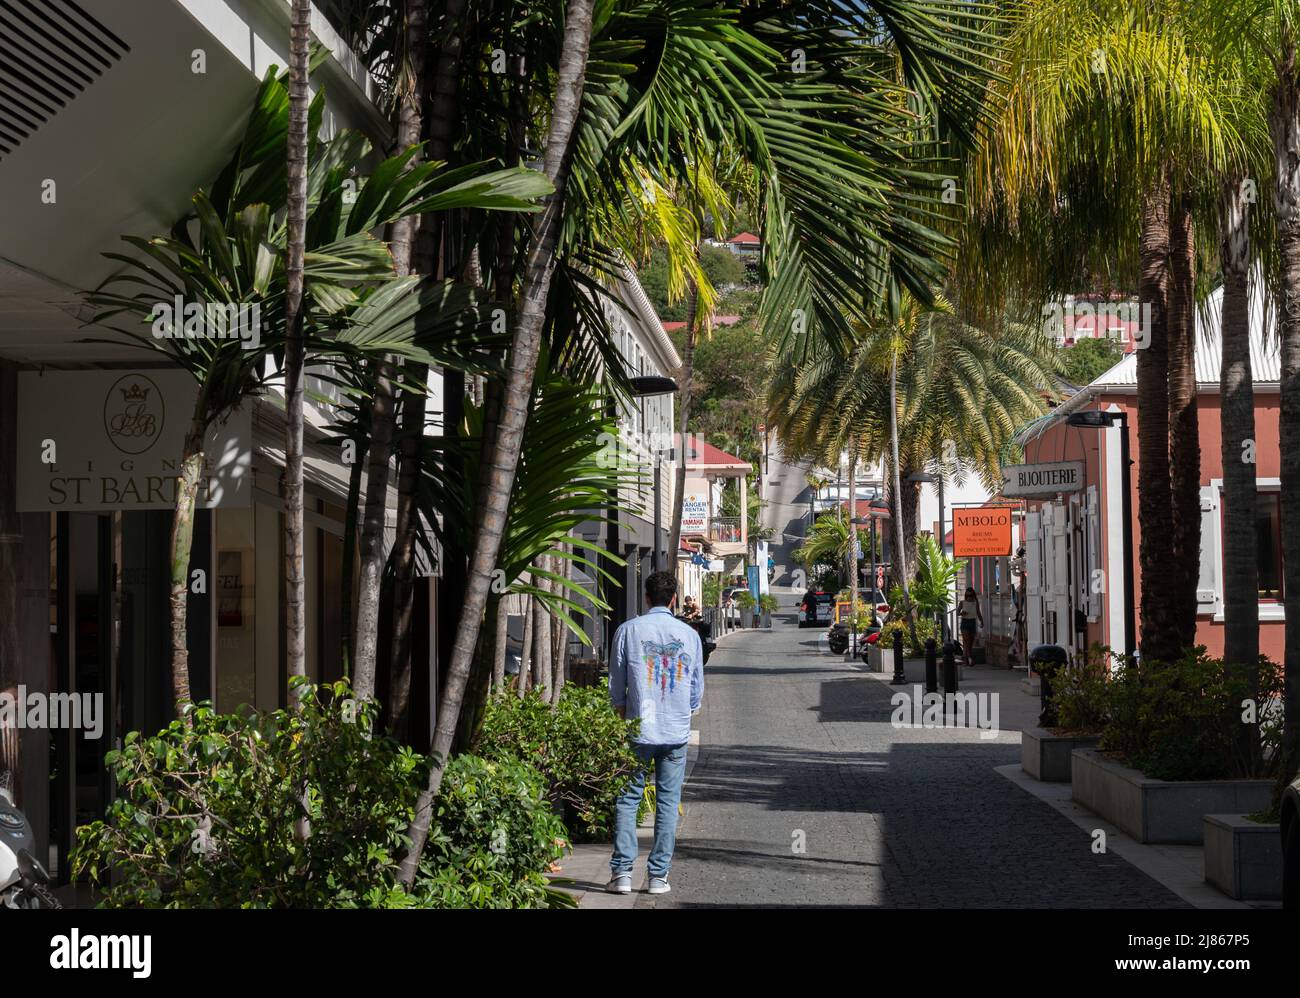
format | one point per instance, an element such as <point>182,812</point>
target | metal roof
<point>1265,357</point>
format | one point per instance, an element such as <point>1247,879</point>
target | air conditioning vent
<point>50,51</point>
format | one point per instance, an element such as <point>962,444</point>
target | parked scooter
<point>23,880</point>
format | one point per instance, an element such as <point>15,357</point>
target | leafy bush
<point>208,815</point>
<point>1182,720</point>
<point>581,746</point>
<point>493,835</point>
<point>1081,693</point>
<point>925,628</point>
<point>767,603</point>
<point>935,574</point>
<point>745,600</point>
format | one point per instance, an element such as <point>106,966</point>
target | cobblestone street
<point>804,794</point>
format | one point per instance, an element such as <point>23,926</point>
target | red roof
<point>672,327</point>
<point>747,238</point>
<point>864,508</point>
<point>702,454</point>
<point>725,320</point>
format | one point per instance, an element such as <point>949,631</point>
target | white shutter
<point>1209,590</point>
<point>1033,578</point>
<point>1061,552</point>
<point>1092,535</point>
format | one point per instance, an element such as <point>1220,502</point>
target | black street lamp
<point>1098,419</point>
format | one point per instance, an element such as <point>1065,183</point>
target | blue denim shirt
<point>657,673</point>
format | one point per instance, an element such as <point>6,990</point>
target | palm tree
<point>237,255</point>
<point>1106,115</point>
<point>295,348</point>
<point>524,352</point>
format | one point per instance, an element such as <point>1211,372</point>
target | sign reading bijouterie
<point>106,440</point>
<point>1042,479</point>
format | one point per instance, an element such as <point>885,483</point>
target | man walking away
<point>656,675</point>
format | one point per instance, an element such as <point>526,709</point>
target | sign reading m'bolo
<point>981,531</point>
<point>104,440</point>
<point>1042,479</point>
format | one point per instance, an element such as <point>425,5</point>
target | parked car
<point>817,607</point>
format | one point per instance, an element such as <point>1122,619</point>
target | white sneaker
<point>620,884</point>
<point>658,885</point>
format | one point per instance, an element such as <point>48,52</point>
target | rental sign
<point>981,531</point>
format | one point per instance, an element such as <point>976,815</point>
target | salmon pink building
<point>1073,537</point>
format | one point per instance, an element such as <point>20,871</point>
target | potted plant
<point>767,604</point>
<point>745,600</point>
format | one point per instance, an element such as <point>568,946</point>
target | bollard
<point>949,669</point>
<point>899,678</point>
<point>931,667</point>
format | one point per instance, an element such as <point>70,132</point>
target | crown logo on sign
<point>135,393</point>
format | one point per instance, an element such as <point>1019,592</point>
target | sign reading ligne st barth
<point>1042,479</point>
<point>118,438</point>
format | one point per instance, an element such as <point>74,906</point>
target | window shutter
<point>1095,600</point>
<point>1209,591</point>
<point>1033,578</point>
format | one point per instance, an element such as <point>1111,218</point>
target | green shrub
<point>493,835</point>
<point>1182,720</point>
<point>1081,693</point>
<point>925,628</point>
<point>581,746</point>
<point>767,603</point>
<point>207,815</point>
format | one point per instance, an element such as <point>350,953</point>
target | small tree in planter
<point>745,600</point>
<point>767,604</point>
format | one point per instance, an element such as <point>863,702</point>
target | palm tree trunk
<point>1284,126</point>
<point>900,543</point>
<point>187,490</point>
<point>684,384</point>
<point>347,622</point>
<point>853,529</point>
<point>1155,549</point>
<point>1237,419</point>
<point>438,128</point>
<point>295,347</point>
<point>526,650</point>
<point>560,644</point>
<point>542,636</point>
<point>383,407</point>
<point>514,414</point>
<point>1184,432</point>
<point>499,646</point>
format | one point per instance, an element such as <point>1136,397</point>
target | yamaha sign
<point>1043,479</point>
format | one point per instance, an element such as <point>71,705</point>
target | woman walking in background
<point>971,620</point>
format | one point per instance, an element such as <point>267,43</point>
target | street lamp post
<point>1099,419</point>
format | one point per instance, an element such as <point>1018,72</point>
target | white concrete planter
<point>1243,858</point>
<point>1046,756</point>
<point>1159,810</point>
<point>880,659</point>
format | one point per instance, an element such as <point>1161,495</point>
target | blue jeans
<point>670,770</point>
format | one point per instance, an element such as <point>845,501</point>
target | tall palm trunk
<point>348,571</point>
<point>1237,423</point>
<point>1284,126</point>
<point>542,636</point>
<point>295,347</point>
<point>187,490</point>
<point>499,644</point>
<point>900,544</point>
<point>1184,431</point>
<point>383,405</point>
<point>853,529</point>
<point>521,371</point>
<point>1155,550</point>
<point>526,650</point>
<point>438,129</point>
<point>684,385</point>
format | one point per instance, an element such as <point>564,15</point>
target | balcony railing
<point>725,530</point>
